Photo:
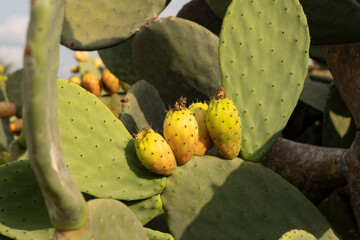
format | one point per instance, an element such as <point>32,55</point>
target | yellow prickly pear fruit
<point>110,82</point>
<point>81,56</point>
<point>76,80</point>
<point>204,140</point>
<point>224,125</point>
<point>98,62</point>
<point>181,131</point>
<point>2,69</point>
<point>90,82</point>
<point>15,127</point>
<point>75,69</point>
<point>154,153</point>
<point>7,109</point>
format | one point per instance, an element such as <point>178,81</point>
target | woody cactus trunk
<point>78,176</point>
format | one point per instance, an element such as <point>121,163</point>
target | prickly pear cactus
<point>297,235</point>
<point>105,164</point>
<point>13,90</point>
<point>231,199</point>
<point>193,73</point>
<point>154,152</point>
<point>181,131</point>
<point>263,61</point>
<point>157,235</point>
<point>93,25</point>
<point>145,210</point>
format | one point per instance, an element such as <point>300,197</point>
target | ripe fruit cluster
<point>191,131</point>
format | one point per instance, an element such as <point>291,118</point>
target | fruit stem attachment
<point>220,94</point>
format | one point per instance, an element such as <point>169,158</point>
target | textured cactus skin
<point>66,206</point>
<point>109,219</point>
<point>181,133</point>
<point>118,60</point>
<point>107,24</point>
<point>297,235</point>
<point>112,167</point>
<point>23,215</point>
<point>224,125</point>
<point>154,153</point>
<point>252,193</point>
<point>13,90</point>
<point>157,235</point>
<point>259,71</point>
<point>198,11</point>
<point>142,108</point>
<point>204,142</point>
<point>193,73</point>
<point>145,210</point>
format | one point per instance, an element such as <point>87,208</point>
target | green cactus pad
<point>235,199</point>
<point>5,136</point>
<point>219,7</point>
<point>157,235</point>
<point>263,61</point>
<point>118,60</point>
<point>23,214</point>
<point>98,149</point>
<point>13,90</point>
<point>17,150</point>
<point>92,25</point>
<point>198,11</point>
<point>297,235</point>
<point>145,210</point>
<point>314,94</point>
<point>113,102</point>
<point>338,125</point>
<point>108,219</point>
<point>178,57</point>
<point>142,108</point>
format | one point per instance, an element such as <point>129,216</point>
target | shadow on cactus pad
<point>99,151</point>
<point>236,199</point>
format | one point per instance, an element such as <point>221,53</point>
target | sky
<point>14,19</point>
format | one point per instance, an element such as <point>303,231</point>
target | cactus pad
<point>237,197</point>
<point>160,59</point>
<point>145,210</point>
<point>108,219</point>
<point>23,214</point>
<point>157,235</point>
<point>297,235</point>
<point>13,90</point>
<point>263,61</point>
<point>142,108</point>
<point>90,25</point>
<point>118,60</point>
<point>98,149</point>
<point>219,7</point>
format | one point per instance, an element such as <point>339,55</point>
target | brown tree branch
<point>316,171</point>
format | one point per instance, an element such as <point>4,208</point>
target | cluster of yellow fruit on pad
<point>191,131</point>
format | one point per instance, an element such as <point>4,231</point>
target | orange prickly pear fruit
<point>110,82</point>
<point>16,127</point>
<point>7,109</point>
<point>154,153</point>
<point>90,82</point>
<point>204,140</point>
<point>224,125</point>
<point>181,131</point>
<point>81,56</point>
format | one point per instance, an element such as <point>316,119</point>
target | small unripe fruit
<point>90,82</point>
<point>76,80</point>
<point>7,109</point>
<point>224,125</point>
<point>204,140</point>
<point>81,56</point>
<point>181,131</point>
<point>154,153</point>
<point>16,127</point>
<point>110,82</point>
<point>98,62</point>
